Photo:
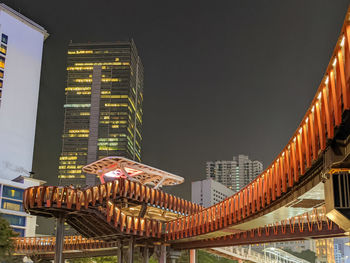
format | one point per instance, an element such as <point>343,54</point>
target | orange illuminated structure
<point>311,172</point>
<point>115,167</point>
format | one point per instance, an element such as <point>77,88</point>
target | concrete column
<point>59,239</point>
<point>162,257</point>
<point>193,258</point>
<point>131,250</point>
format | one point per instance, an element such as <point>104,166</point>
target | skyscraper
<point>103,109</point>
<point>234,174</point>
<point>21,47</point>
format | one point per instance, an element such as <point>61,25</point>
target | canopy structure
<point>115,167</point>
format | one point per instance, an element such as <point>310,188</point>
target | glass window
<point>1,74</point>
<point>15,220</point>
<point>2,62</point>
<point>11,205</point>
<point>0,83</point>
<point>20,231</point>
<point>4,38</point>
<point>3,49</point>
<point>12,192</point>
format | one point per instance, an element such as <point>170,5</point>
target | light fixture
<point>342,41</point>
<point>319,95</point>
<point>334,62</point>
<point>326,81</point>
<point>313,108</point>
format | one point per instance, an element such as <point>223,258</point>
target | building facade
<point>21,47</point>
<point>11,206</point>
<point>208,192</point>
<point>234,174</point>
<point>103,109</point>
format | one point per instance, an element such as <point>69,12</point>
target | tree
<point>6,242</point>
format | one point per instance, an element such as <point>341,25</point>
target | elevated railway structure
<point>310,172</point>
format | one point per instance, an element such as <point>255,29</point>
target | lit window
<point>3,49</point>
<point>4,38</point>
<point>2,62</point>
<point>11,205</point>
<point>12,192</point>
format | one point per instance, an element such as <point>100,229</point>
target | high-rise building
<point>234,174</point>
<point>11,204</point>
<point>103,109</point>
<point>325,250</point>
<point>21,47</point>
<point>208,192</point>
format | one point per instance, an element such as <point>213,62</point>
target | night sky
<point>221,77</point>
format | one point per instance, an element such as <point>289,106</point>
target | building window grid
<point>3,51</point>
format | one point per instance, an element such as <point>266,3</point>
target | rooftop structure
<point>113,167</point>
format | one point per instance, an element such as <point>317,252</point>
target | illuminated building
<point>21,47</point>
<point>325,250</point>
<point>234,174</point>
<point>11,204</point>
<point>103,109</point>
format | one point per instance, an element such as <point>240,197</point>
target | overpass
<point>310,172</point>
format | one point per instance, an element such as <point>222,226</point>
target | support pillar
<point>162,257</point>
<point>120,252</point>
<point>59,239</point>
<point>131,250</point>
<point>193,258</point>
<point>145,258</point>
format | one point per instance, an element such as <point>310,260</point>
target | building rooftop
<point>24,19</point>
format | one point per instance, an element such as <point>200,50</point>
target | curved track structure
<point>292,185</point>
<point>109,210</point>
<point>316,146</point>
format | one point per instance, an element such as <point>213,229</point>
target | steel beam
<point>267,235</point>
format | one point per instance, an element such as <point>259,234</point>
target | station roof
<point>116,166</point>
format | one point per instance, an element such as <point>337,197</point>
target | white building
<point>21,47</point>
<point>11,207</point>
<point>236,173</point>
<point>208,192</point>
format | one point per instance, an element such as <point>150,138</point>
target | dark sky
<point>221,77</point>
